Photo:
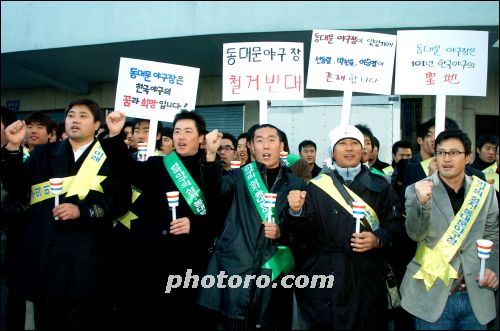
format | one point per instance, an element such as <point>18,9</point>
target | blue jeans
<point>457,315</point>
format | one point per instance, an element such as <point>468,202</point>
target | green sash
<point>282,260</point>
<point>257,188</point>
<point>185,183</point>
<point>435,262</point>
<point>325,183</point>
<point>26,154</point>
<point>377,172</point>
<point>85,180</point>
<point>290,160</point>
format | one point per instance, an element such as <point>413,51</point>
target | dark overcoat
<point>61,262</point>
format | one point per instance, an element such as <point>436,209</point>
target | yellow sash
<point>388,170</point>
<point>129,216</point>
<point>85,180</point>
<point>425,166</point>
<point>491,173</point>
<point>325,183</point>
<point>435,262</point>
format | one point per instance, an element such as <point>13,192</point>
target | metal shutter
<point>224,118</point>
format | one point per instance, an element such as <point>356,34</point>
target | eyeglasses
<point>452,154</point>
<point>227,148</point>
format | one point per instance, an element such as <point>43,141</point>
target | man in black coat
<point>249,244</point>
<point>307,151</point>
<point>358,298</point>
<point>163,248</point>
<point>64,257</point>
<point>486,150</point>
<point>374,161</point>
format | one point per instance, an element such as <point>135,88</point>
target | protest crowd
<point>92,228</point>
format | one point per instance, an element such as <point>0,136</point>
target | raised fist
<point>423,189</point>
<point>296,200</point>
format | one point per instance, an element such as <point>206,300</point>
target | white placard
<point>442,62</point>
<point>351,61</point>
<point>263,71</point>
<point>155,90</point>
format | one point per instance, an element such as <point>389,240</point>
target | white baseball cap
<point>343,132</point>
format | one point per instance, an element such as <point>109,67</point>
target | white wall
<point>461,109</point>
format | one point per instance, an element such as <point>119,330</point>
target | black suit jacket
<point>66,262</point>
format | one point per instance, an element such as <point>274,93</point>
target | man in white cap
<point>324,219</point>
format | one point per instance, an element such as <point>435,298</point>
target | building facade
<point>53,52</point>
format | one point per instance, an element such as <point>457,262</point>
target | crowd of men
<point>106,250</point>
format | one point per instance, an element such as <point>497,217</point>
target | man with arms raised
<point>249,246</point>
<point>446,213</point>
<point>227,151</point>
<point>63,261</point>
<point>39,127</point>
<point>423,163</point>
<point>164,246</point>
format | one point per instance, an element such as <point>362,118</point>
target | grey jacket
<point>426,225</point>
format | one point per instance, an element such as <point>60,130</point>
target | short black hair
<point>164,132</point>
<point>94,107</point>
<point>61,128</point>
<point>284,139</point>
<point>129,124</point>
<point>167,132</point>
<point>487,138</point>
<point>159,129</point>
<point>227,135</point>
<point>260,126</point>
<point>306,143</point>
<point>242,135</point>
<point>454,133</point>
<point>42,119</point>
<point>185,114</point>
<point>251,132</point>
<point>423,128</point>
<point>365,130</point>
<point>137,121</point>
<point>376,143</point>
<point>448,123</point>
<point>400,144</point>
<point>8,116</point>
